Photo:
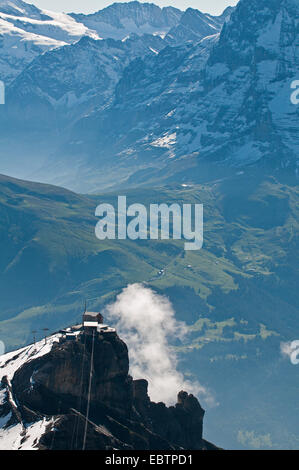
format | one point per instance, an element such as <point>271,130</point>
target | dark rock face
<point>181,424</point>
<point>121,415</point>
<point>62,376</point>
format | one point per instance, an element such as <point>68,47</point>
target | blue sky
<point>85,6</point>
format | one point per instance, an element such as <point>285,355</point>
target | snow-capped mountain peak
<point>194,26</point>
<point>20,8</point>
<point>26,32</point>
<point>122,19</point>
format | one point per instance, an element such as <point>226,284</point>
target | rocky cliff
<point>79,394</point>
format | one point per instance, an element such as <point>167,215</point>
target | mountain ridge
<point>24,26</point>
<point>145,17</point>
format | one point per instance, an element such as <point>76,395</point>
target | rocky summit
<point>73,391</point>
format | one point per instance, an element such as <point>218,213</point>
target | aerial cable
<point>89,391</point>
<point>76,428</point>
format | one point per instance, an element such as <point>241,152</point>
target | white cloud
<point>146,322</point>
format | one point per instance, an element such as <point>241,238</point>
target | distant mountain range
<point>120,20</point>
<point>61,68</point>
<point>165,98</point>
<point>27,31</point>
<point>224,100</point>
